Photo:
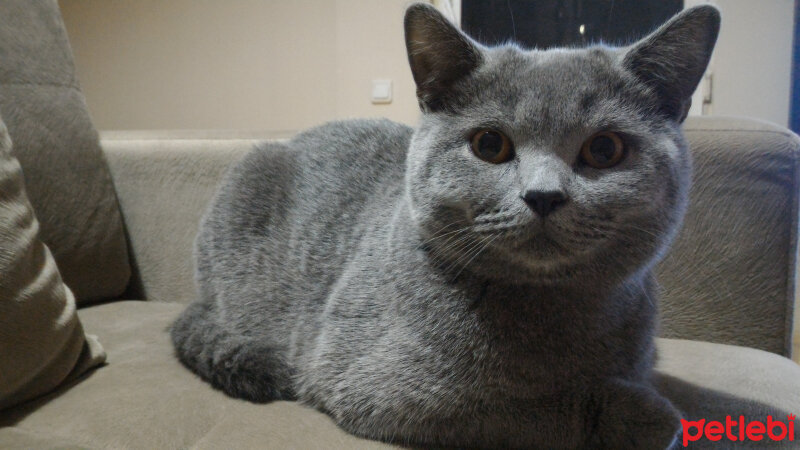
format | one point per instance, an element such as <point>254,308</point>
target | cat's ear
<point>673,58</point>
<point>439,54</point>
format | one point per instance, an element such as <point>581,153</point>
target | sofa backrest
<point>164,183</point>
<point>730,276</point>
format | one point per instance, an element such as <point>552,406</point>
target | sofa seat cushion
<point>758,378</point>
<point>143,398</point>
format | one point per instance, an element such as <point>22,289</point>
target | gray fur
<point>392,279</point>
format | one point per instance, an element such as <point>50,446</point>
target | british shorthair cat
<point>484,279</point>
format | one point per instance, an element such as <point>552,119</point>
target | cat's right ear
<point>439,55</point>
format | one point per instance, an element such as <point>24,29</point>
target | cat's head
<point>542,166</point>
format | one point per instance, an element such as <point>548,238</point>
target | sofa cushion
<point>145,399</point>
<point>41,339</point>
<point>712,381</point>
<point>67,178</point>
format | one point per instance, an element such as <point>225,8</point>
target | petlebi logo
<point>738,430</point>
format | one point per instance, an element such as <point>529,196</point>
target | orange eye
<point>603,150</point>
<point>492,146</point>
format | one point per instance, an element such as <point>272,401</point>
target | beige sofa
<point>143,398</point>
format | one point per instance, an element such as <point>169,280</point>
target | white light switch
<point>381,91</point>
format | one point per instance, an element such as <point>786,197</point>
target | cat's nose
<point>544,202</point>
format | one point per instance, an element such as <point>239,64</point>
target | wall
<point>282,66</point>
<point>370,45</point>
<point>751,66</point>
<point>277,66</point>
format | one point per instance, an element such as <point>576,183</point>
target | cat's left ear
<point>439,55</point>
<point>672,59</point>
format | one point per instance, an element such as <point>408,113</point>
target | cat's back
<point>289,212</point>
<point>342,164</point>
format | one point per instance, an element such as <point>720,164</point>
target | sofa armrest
<point>730,276</point>
<point>164,185</point>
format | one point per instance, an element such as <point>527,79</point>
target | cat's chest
<point>501,339</point>
<point>393,311</point>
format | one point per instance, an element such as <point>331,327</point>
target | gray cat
<point>482,280</point>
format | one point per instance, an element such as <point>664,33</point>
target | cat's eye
<point>603,150</point>
<point>492,146</point>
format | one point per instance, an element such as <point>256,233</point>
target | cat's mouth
<point>546,241</point>
<point>546,250</point>
<point>541,249</point>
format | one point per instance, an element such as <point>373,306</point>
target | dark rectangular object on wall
<point>559,23</point>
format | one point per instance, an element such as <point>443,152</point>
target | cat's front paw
<point>252,371</point>
<point>633,416</point>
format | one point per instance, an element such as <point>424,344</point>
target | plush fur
<point>392,279</point>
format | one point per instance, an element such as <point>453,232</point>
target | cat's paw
<point>252,372</point>
<point>633,416</point>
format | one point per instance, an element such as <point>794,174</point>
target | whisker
<point>443,234</point>
<point>491,238</point>
<point>467,250</point>
<point>470,251</point>
<point>452,243</point>
<point>464,245</point>
<point>504,227</point>
<point>629,227</point>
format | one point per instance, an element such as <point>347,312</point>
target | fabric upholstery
<point>65,172</point>
<point>42,343</point>
<point>712,381</point>
<point>145,399</point>
<point>164,187</point>
<point>730,276</point>
<point>746,373</point>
